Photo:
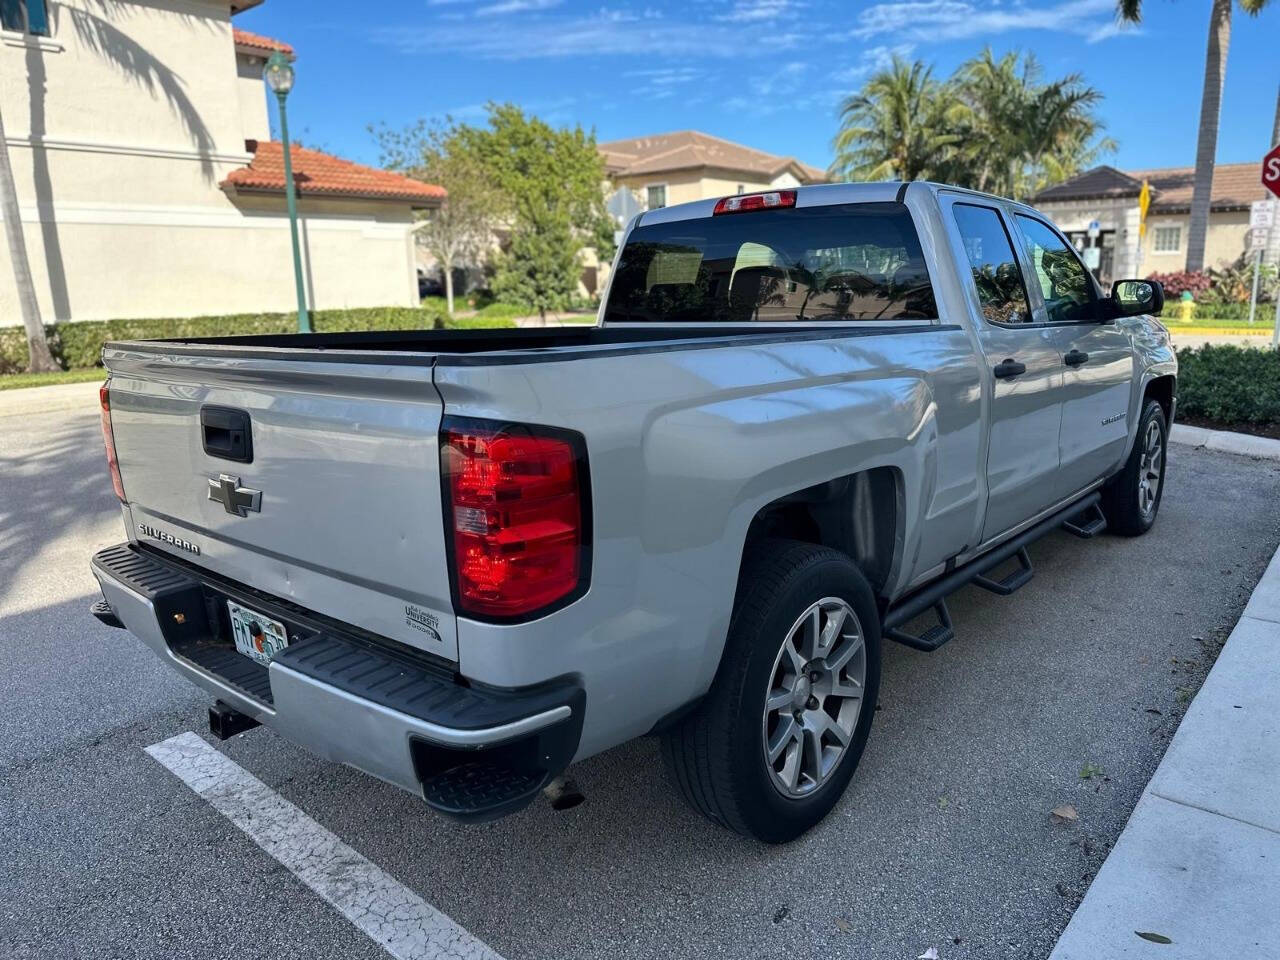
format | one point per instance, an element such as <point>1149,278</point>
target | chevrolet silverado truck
<point>461,561</point>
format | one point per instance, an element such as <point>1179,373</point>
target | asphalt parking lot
<point>944,839</point>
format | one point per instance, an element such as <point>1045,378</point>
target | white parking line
<point>389,912</point>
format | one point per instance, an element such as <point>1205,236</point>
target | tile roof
<point>1235,186</point>
<point>256,41</point>
<point>320,174</point>
<point>689,149</point>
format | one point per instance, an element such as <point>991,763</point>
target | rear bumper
<point>470,752</point>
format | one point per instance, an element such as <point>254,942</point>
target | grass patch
<point>16,381</point>
<point>506,311</point>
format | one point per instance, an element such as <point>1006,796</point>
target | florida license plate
<point>257,636</point>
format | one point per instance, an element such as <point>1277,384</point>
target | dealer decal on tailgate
<point>421,620</point>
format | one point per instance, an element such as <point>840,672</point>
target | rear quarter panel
<point>685,446</point>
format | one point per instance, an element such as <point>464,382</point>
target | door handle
<point>1009,368</point>
<point>1075,358</point>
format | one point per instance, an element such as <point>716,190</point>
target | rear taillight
<point>517,510</point>
<point>109,440</point>
<point>745,202</point>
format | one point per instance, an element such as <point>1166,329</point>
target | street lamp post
<point>278,73</point>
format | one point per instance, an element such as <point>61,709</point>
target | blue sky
<point>767,73</point>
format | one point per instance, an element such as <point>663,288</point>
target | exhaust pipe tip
<point>563,794</point>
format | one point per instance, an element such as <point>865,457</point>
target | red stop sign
<point>1271,170</point>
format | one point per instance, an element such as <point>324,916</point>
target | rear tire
<point>805,630</point>
<point>1131,499</point>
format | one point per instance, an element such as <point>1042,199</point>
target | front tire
<point>775,743</point>
<point>1131,499</point>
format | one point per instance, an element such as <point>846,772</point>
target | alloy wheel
<point>1150,467</point>
<point>814,697</point>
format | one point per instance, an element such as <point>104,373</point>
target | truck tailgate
<point>345,459</point>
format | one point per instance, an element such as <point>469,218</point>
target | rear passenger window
<point>1067,288</point>
<point>1001,292</point>
<point>860,261</point>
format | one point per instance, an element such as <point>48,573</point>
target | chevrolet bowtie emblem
<point>233,497</point>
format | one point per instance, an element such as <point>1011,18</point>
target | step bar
<point>934,595</point>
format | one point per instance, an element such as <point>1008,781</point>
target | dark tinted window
<point>995,268</point>
<point>846,262</point>
<point>1066,285</point>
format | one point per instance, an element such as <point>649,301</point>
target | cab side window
<point>1001,291</point>
<point>1066,285</point>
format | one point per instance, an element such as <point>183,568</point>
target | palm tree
<point>39,359</point>
<point>1021,134</point>
<point>1215,71</point>
<point>993,126</point>
<point>901,125</point>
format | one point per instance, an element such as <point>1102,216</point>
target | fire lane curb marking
<point>387,911</point>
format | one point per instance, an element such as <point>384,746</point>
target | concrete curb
<point>1199,861</point>
<point>1226,441</point>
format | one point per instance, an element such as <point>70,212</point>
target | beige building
<point>147,181</point>
<point>1110,197</point>
<point>671,168</point>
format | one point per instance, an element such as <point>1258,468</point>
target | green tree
<point>1215,71</point>
<point>1019,133</point>
<point>461,231</point>
<point>551,183</point>
<point>902,125</point>
<point>994,125</point>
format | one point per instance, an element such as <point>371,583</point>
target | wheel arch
<point>1164,390</point>
<point>859,514</point>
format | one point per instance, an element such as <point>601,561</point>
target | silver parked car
<point>461,561</point>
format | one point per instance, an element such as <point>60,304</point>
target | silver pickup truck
<point>460,561</point>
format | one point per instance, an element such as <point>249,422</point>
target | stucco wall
<point>253,98</point>
<point>120,127</point>
<point>157,74</point>
<point>153,263</point>
<point>684,186</point>
<point>1223,245</point>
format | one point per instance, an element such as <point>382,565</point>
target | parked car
<point>460,561</point>
<point>429,286</point>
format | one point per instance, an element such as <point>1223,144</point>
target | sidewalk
<point>60,396</point>
<point>1199,862</point>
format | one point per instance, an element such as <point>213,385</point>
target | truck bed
<point>506,346</point>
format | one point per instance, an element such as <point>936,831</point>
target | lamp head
<point>278,73</point>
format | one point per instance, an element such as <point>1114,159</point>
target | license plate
<point>257,636</point>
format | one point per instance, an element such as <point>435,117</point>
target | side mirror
<point>1132,297</point>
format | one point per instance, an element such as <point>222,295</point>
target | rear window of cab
<point>843,262</point>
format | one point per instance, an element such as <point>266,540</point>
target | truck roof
<point>814,195</point>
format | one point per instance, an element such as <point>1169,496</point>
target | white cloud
<point>751,11</point>
<point>942,20</point>
<point>608,33</point>
<point>873,60</point>
<point>516,6</point>
<point>661,83</point>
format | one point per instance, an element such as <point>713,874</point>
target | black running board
<point>1086,524</point>
<point>933,595</point>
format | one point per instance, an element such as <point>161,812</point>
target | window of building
<point>742,188</point>
<point>25,16</point>
<point>1167,239</point>
<point>842,262</point>
<point>657,196</point>
<point>1064,282</point>
<point>1001,292</point>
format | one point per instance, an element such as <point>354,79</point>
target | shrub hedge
<point>80,344</point>
<point>1230,384</point>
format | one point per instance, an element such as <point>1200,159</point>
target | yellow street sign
<point>1144,202</point>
